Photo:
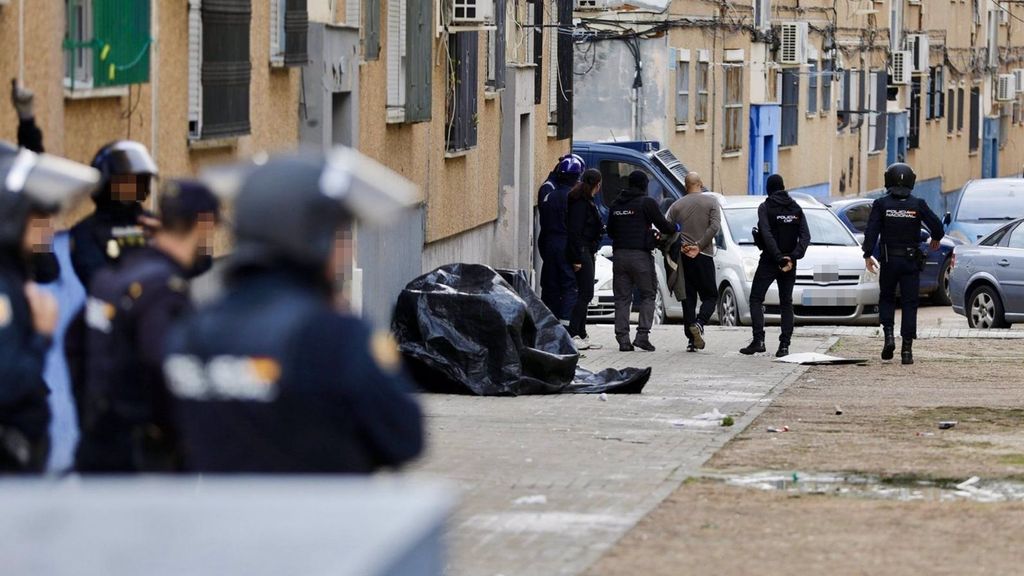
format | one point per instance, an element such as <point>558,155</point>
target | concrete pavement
<point>550,483</point>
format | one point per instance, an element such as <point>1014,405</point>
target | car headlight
<point>749,268</point>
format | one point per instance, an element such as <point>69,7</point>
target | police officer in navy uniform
<point>118,225</point>
<point>272,377</point>
<point>33,187</point>
<point>557,277</point>
<point>895,222</point>
<point>124,407</point>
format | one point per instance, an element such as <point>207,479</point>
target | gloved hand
<point>22,98</point>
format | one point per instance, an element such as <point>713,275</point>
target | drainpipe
<point>154,83</point>
<point>21,41</point>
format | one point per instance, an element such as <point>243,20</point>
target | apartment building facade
<point>826,93</point>
<point>445,92</point>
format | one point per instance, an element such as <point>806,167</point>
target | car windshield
<point>992,201</point>
<point>825,228</point>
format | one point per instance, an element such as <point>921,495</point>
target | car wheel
<point>660,316</point>
<point>985,309</point>
<point>941,295</point>
<point>728,307</point>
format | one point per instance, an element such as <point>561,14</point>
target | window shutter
<point>499,44</point>
<point>975,119</point>
<point>812,87</point>
<point>462,103</point>
<point>396,52</point>
<point>371,29</point>
<point>296,33</point>
<point>552,75</point>
<point>914,132</point>
<point>950,119</point>
<point>790,106</point>
<point>195,60</point>
<point>121,42</point>
<point>563,118</point>
<point>226,70</point>
<point>882,121</point>
<point>418,73</point>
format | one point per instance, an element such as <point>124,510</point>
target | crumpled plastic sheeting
<point>468,329</point>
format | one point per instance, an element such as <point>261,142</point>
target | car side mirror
<point>947,219</point>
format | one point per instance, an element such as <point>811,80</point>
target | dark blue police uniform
<point>272,379</point>
<point>557,278</point>
<point>24,411</point>
<point>105,236</point>
<point>124,407</point>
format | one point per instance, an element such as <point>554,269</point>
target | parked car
<point>854,214</point>
<point>832,286</point>
<point>984,206</point>
<point>987,283</point>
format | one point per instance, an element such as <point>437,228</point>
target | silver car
<point>832,286</point>
<point>987,282</point>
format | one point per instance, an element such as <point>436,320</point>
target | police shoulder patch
<point>5,311</point>
<point>384,350</point>
<point>135,290</point>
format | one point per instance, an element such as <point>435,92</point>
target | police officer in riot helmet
<point>118,225</point>
<point>33,187</point>
<point>895,226</point>
<point>124,407</point>
<point>272,377</point>
<point>557,277</point>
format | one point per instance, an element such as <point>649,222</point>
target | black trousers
<point>557,280</point>
<point>699,274</point>
<point>584,294</point>
<point>633,270</point>
<point>902,272</point>
<point>768,272</point>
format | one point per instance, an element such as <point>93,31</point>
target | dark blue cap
<point>183,201</point>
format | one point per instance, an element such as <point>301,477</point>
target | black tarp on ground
<point>468,329</point>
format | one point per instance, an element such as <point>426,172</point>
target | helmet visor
<point>51,183</point>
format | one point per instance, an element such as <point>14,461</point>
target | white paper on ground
<point>814,358</point>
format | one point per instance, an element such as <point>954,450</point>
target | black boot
<point>907,353</point>
<point>756,346</point>
<point>783,350</point>
<point>644,344</point>
<point>890,344</point>
<point>625,346</point>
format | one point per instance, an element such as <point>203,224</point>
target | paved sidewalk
<point>550,483</point>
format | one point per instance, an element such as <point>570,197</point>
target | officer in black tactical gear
<point>33,187</point>
<point>271,377</point>
<point>117,226</point>
<point>124,407</point>
<point>895,222</point>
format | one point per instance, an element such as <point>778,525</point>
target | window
<point>859,97</point>
<point>408,60</point>
<point>106,43</point>
<point>370,27</point>
<point>936,106</point>
<point>914,136</point>
<point>960,110</point>
<point>733,140</point>
<point>812,87</point>
<point>561,72</point>
<point>975,119</point>
<point>701,115</point>
<point>496,50</point>
<point>1016,111</point>
<point>683,88</point>
<point>219,68</point>
<point>950,120</point>
<point>762,14</point>
<point>615,179</point>
<point>289,23</point>
<point>1017,238</point>
<point>461,105</point>
<point>877,118</point>
<point>790,107</point>
<point>858,216</point>
<point>1005,110</point>
<point>826,85</point>
<point>843,113</point>
<point>537,43</point>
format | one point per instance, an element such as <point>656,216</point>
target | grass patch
<point>728,421</point>
<point>1012,459</point>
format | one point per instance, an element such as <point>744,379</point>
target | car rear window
<point>998,200</point>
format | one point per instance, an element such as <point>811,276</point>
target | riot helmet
<point>126,172</point>
<point>900,175</point>
<point>570,167</point>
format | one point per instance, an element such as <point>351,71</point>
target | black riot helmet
<point>36,183</point>
<point>900,175</point>
<point>288,209</point>
<point>123,158</point>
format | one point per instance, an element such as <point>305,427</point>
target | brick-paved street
<point>550,483</point>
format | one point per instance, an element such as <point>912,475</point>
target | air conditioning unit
<point>917,44</point>
<point>793,49</point>
<point>1018,76</point>
<point>901,63</point>
<point>587,5</point>
<point>1006,89</point>
<point>472,12</point>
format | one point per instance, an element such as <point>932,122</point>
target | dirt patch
<point>710,528</point>
<point>888,429</point>
<point>891,413</point>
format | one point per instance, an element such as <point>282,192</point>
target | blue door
<point>896,140</point>
<point>765,120</point>
<point>990,148</point>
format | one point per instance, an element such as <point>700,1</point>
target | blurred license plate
<point>830,297</point>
